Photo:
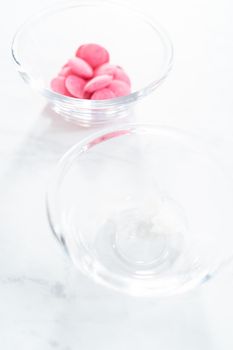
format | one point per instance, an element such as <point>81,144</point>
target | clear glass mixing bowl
<point>50,37</point>
<point>145,210</point>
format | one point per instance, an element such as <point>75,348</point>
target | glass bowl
<point>145,210</point>
<point>49,38</point>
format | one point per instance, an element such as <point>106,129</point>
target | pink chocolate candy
<point>65,71</point>
<point>58,85</point>
<point>90,76</point>
<point>80,67</point>
<point>93,54</point>
<point>75,85</point>
<point>106,68</point>
<point>117,72</point>
<point>119,88</point>
<point>121,75</point>
<point>98,83</point>
<point>103,94</point>
<point>86,95</point>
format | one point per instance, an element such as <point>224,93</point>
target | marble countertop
<point>45,303</point>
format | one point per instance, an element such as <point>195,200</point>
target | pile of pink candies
<point>89,75</point>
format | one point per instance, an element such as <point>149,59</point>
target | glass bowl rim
<point>136,95</point>
<point>63,165</point>
<point>106,134</point>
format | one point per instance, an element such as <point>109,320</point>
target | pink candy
<point>93,54</point>
<point>116,72</point>
<point>80,67</point>
<point>89,75</point>
<point>121,75</point>
<point>103,94</point>
<point>119,88</point>
<point>58,85</point>
<point>75,85</point>
<point>106,68</point>
<point>65,71</point>
<point>98,83</point>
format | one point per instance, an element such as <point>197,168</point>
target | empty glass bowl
<point>49,38</point>
<point>145,210</point>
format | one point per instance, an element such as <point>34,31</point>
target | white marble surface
<point>44,303</point>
